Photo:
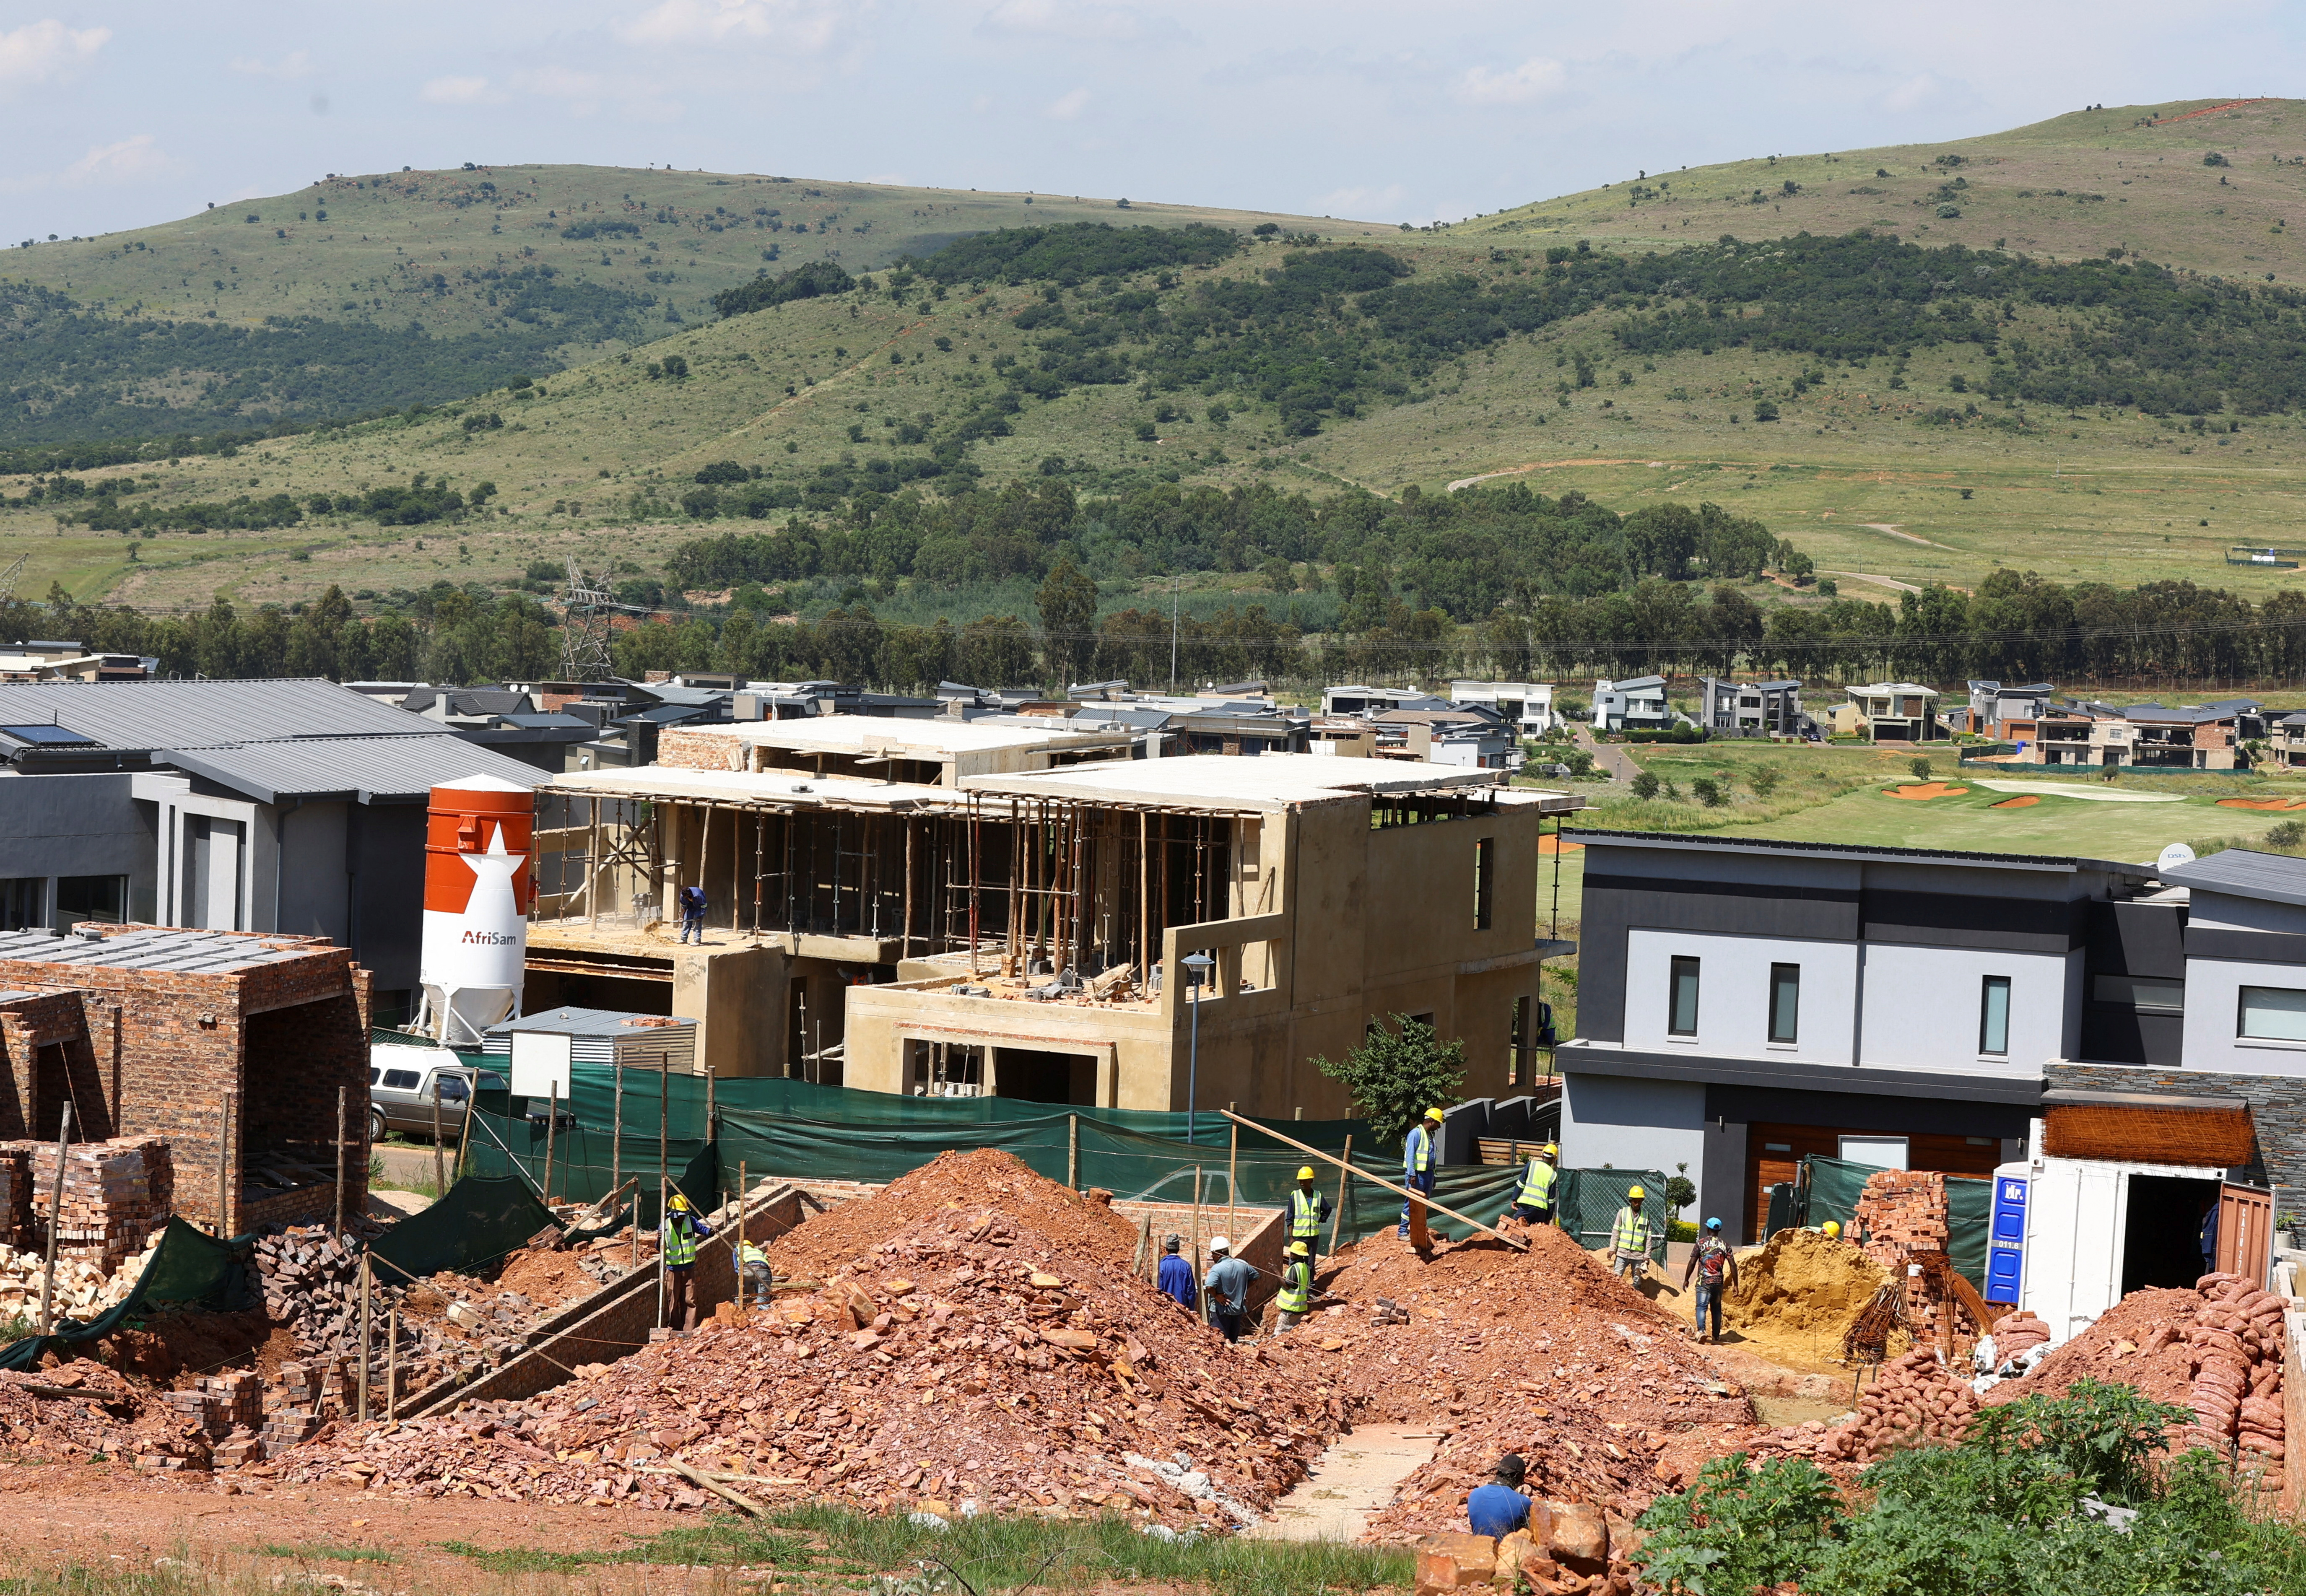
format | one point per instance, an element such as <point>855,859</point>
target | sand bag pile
<point>1913,1400</point>
<point>988,1344</point>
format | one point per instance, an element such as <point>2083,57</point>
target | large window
<point>1485,884</point>
<point>91,897</point>
<point>2149,994</point>
<point>1994,1016</point>
<point>21,900</point>
<point>1785,1002</point>
<point>2273,1014</point>
<point>1681,1018</point>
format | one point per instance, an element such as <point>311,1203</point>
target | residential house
<point>1992,704</point>
<point>1636,703</point>
<point>47,659</point>
<point>1897,712</point>
<point>1525,706</point>
<point>1371,701</point>
<point>1752,709</point>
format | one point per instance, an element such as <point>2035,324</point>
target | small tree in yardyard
<point>1396,1074</point>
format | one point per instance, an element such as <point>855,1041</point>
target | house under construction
<point>1024,933</point>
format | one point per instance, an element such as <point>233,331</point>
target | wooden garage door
<point>1772,1151</point>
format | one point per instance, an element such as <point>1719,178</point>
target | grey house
<point>244,805</point>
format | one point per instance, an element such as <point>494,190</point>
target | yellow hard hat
<point>1436,1113</point>
<point>1833,1227</point>
<point>1552,1149</point>
<point>1635,1194</point>
<point>1299,1250</point>
<point>679,1203</point>
<point>1305,1174</point>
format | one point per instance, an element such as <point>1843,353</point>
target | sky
<point>123,112</point>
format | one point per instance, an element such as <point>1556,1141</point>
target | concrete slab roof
<point>158,948</point>
<point>1239,782</point>
<point>939,736</point>
<point>774,790</point>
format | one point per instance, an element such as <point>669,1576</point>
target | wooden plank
<point>1416,1201</point>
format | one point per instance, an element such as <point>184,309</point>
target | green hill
<point>367,292</point>
<point>2128,177</point>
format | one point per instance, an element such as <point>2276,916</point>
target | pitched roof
<point>367,770</point>
<point>2244,873</point>
<point>136,715</point>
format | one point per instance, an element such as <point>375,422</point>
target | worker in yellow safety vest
<point>1534,1203</point>
<point>683,1233</point>
<point>1419,1160</point>
<point>1629,1237</point>
<point>1296,1300</point>
<point>1307,1212</point>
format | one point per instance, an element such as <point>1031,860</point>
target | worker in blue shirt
<point>1175,1276</point>
<point>1420,1159</point>
<point>1499,1508</point>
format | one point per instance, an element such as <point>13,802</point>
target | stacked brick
<point>108,1209</point>
<point>1914,1399</point>
<point>1903,1212</point>
<point>2235,1342</point>
<point>15,1193</point>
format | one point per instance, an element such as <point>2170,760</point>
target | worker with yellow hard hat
<point>683,1231</point>
<point>1629,1237</point>
<point>1532,1204</point>
<point>1421,1160</point>
<point>1307,1212</point>
<point>1296,1300</point>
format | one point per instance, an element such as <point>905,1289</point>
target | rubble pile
<point>115,1195</point>
<point>978,1336</point>
<point>82,1290</point>
<point>1912,1400</point>
<point>1543,1352</point>
<point>1567,1547</point>
<point>1802,1281</point>
<point>79,1408</point>
<point>2017,1334</point>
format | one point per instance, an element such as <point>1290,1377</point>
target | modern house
<point>48,659</point>
<point>2139,735</point>
<point>1353,700</point>
<point>1637,704</point>
<point>1525,706</point>
<point>1033,934</point>
<point>1752,709</point>
<point>1992,704</point>
<point>1897,712</point>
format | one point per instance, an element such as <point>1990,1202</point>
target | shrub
<point>1646,785</point>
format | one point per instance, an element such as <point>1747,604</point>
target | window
<point>78,898</point>
<point>1517,1042</point>
<point>2273,1014</point>
<point>1485,853</point>
<point>2149,994</point>
<point>1682,1012</point>
<point>1785,1002</point>
<point>400,1080</point>
<point>21,899</point>
<point>1994,1016</point>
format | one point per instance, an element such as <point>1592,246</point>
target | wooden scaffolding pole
<point>1417,1197</point>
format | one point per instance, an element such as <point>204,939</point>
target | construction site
<point>931,1069</point>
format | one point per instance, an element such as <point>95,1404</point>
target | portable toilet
<point>2005,1238</point>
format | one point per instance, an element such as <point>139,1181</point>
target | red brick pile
<point>116,1194</point>
<point>15,1193</point>
<point>1544,1353</point>
<point>979,1337</point>
<point>2018,1334</point>
<point>1913,1399</point>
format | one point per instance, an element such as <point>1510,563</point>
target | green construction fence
<point>1835,1185</point>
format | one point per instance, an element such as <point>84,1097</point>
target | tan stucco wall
<point>737,995</point>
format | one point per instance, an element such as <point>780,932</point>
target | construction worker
<point>1420,1161</point>
<point>753,1270</point>
<point>1226,1288</point>
<point>1715,1269</point>
<point>692,914</point>
<point>1832,1230</point>
<point>1534,1203</point>
<point>682,1231</point>
<point>1499,1508</point>
<point>1307,1212</point>
<point>1296,1298</point>
<point>1629,1237</point>
<point>1175,1277</point>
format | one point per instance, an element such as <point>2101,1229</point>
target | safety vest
<point>747,1254</point>
<point>1537,1185</point>
<point>1418,1153</point>
<point>1304,1216</point>
<point>680,1241</point>
<point>1296,1288</point>
<point>1631,1232</point>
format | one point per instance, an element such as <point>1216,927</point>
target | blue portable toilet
<point>2005,1244</point>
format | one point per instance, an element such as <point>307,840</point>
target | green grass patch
<point>324,1553</point>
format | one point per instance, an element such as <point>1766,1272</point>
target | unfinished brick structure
<point>152,1030</point>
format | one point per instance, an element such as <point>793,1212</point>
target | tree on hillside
<point>1067,602</point>
<point>1396,1075</point>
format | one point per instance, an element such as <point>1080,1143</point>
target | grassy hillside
<point>2129,178</point>
<point>386,289</point>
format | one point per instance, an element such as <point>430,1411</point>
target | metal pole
<point>1232,1170</point>
<point>1339,1219</point>
<point>367,1335</point>
<point>56,1223</point>
<point>1193,1070</point>
<point>340,1159</point>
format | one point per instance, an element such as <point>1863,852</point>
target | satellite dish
<point>2174,855</point>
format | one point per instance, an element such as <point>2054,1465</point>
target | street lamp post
<point>1196,966</point>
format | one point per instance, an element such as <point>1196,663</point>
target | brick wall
<point>690,751</point>
<point>2277,1109</point>
<point>163,1053</point>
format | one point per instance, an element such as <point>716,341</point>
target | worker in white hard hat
<point>1307,1212</point>
<point>1532,1204</point>
<point>1421,1159</point>
<point>1629,1237</point>
<point>1296,1298</point>
<point>1226,1288</point>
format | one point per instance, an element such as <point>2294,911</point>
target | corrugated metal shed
<point>367,770</point>
<point>605,1037</point>
<point>162,714</point>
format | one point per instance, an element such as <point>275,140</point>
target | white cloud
<point>1056,19</point>
<point>1534,79</point>
<point>131,160</point>
<point>1383,204</point>
<point>458,91</point>
<point>1066,107</point>
<point>41,50</point>
<point>296,63</point>
<point>794,24</point>
<point>1916,92</point>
